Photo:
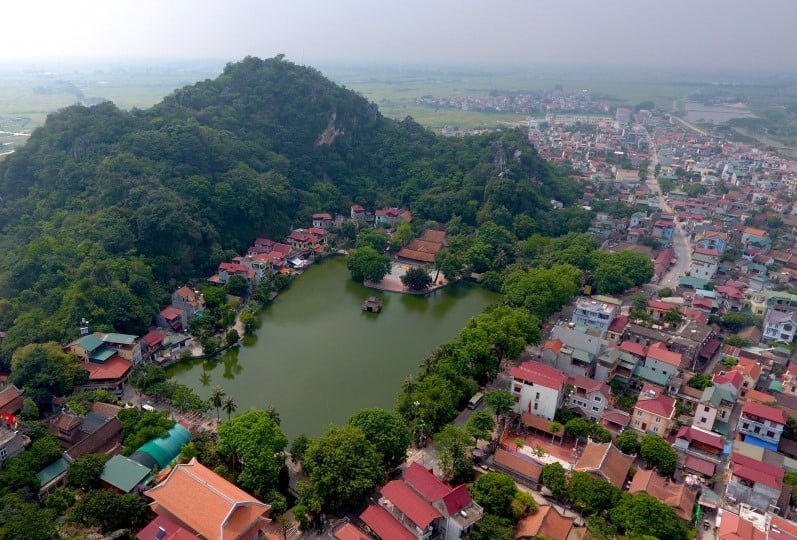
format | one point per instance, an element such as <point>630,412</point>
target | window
<point>745,425</point>
<point>597,398</point>
<point>703,419</point>
<point>770,434</point>
<point>706,408</point>
<point>596,409</point>
<point>639,413</point>
<point>535,406</point>
<point>3,453</point>
<point>657,419</point>
<point>537,396</point>
<point>517,388</point>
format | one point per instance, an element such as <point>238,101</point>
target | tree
<point>495,492</point>
<point>140,426</point>
<point>368,264</point>
<point>343,467</point>
<point>237,286</point>
<point>523,505</point>
<point>577,428</point>
<point>387,431</point>
<point>736,340</point>
<point>401,236</point>
<point>217,396</point>
<point>701,381</point>
<point>658,453</point>
<point>556,429</point>
<point>255,442</point>
<point>22,520</point>
<point>672,316</point>
<point>492,527</point>
<point>553,477</point>
<point>229,406</point>
<point>790,478</point>
<point>185,399</point>
<point>45,370</point>
<point>416,279</point>
<point>628,442</point>
<point>85,471</point>
<point>480,425</point>
<point>664,292</point>
<point>452,445</point>
<point>500,402</point>
<point>591,495</point>
<point>642,514</point>
<point>299,447</point>
<point>232,337</point>
<point>372,238</point>
<point>30,411</point>
<point>110,511</point>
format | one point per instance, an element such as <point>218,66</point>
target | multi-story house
<point>716,240</point>
<point>12,443</point>
<point>421,507</point>
<point>704,266</point>
<point>714,409</point>
<point>323,220</point>
<point>654,412</point>
<point>761,425</point>
<point>127,346</point>
<point>756,483</point>
<point>189,301</point>
<point>594,314</point>
<point>779,326</point>
<point>588,396</point>
<point>539,389</point>
<point>661,360</point>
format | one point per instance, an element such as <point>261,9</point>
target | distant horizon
<point>660,73</point>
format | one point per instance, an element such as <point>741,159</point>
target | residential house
<point>756,483</point>
<point>123,475</point>
<point>593,314</point>
<point>12,442</point>
<point>789,381</point>
<point>589,397</point>
<point>458,510</point>
<point>716,240</point>
<point>654,412</point>
<point>614,362</point>
<point>615,420</point>
<point>734,527</point>
<point>302,240</point>
<point>615,331</point>
<point>751,372</point>
<point>152,342</point>
<point>323,220</point>
<point>606,461</point>
<point>172,318</point>
<point>698,442</point>
<point>678,496</point>
<point>206,504</point>
<point>357,212</point>
<point>661,360</point>
<point>657,308</point>
<point>191,302</point>
<point>107,369</point>
<point>163,528</point>
<point>704,266</point>
<point>11,400</point>
<point>663,229</point>
<point>713,412</point>
<point>546,522</point>
<point>389,216</point>
<point>578,337</point>
<point>761,424</point>
<point>755,237</point>
<point>539,389</point>
<point>779,326</point>
<point>229,269</point>
<point>127,346</point>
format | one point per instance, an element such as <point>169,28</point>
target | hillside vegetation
<point>103,210</point>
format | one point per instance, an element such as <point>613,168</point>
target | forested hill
<point>102,208</point>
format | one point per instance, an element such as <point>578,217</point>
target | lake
<point>318,357</point>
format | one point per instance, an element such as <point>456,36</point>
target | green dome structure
<point>162,451</point>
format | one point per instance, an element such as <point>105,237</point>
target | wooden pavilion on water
<point>372,304</point>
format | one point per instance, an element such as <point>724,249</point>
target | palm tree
<point>229,406</point>
<point>217,399</point>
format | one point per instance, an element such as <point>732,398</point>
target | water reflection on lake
<point>318,358</point>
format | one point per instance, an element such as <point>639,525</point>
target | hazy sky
<point>633,33</point>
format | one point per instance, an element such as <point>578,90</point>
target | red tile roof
<point>658,351</point>
<point>541,374</point>
<point>619,324</point>
<point>171,313</point>
<point>764,411</point>
<point>554,345</point>
<point>384,525</point>
<point>734,378</point>
<point>637,349</point>
<point>606,460</point>
<point>756,471</point>
<point>171,530</point>
<point>733,527</point>
<point>114,368</point>
<point>153,338</point>
<point>425,482</point>
<point>660,405</point>
<point>412,505</point>
<point>702,466</point>
<point>691,433</point>
<point>457,499</point>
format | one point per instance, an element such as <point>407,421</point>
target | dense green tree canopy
<point>343,467</point>
<point>642,514</point>
<point>658,453</point>
<point>45,371</point>
<point>255,441</point>
<point>102,207</point>
<point>85,471</point>
<point>387,431</point>
<point>495,493</point>
<point>368,263</point>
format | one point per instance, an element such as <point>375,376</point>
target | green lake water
<point>318,357</point>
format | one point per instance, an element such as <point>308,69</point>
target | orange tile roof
<point>733,527</point>
<point>677,496</point>
<point>748,367</point>
<point>207,503</point>
<point>115,367</point>
<point>546,522</point>
<point>606,460</point>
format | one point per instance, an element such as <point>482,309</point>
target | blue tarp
<point>755,441</point>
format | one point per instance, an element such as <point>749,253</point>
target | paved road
<point>680,241</point>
